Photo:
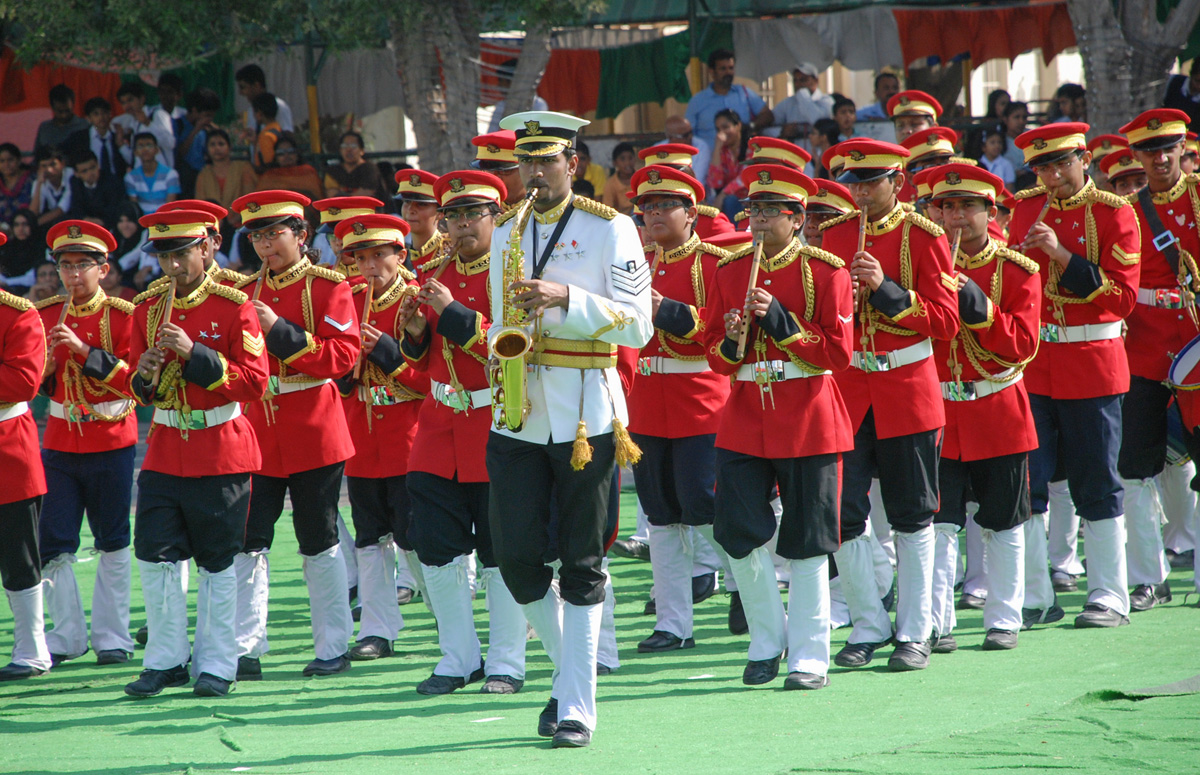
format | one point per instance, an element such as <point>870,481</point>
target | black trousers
<point>1000,485</point>
<point>20,566</point>
<point>449,519</point>
<point>315,496</point>
<point>98,483</point>
<point>180,517</point>
<point>523,476</point>
<point>1144,431</point>
<point>809,488</point>
<point>907,467</point>
<point>379,507</point>
<point>1085,435</point>
<point>676,479</point>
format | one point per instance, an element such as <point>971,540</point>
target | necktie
<point>105,157</point>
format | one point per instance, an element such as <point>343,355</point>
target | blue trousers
<point>1085,434</point>
<point>98,483</point>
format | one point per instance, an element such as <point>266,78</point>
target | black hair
<point>719,55</point>
<point>96,103</point>
<point>204,99</point>
<point>842,102</point>
<point>297,224</point>
<point>48,152</point>
<point>131,89</point>
<point>992,99</point>
<point>733,117</point>
<point>11,148</point>
<point>84,157</point>
<point>288,138</point>
<point>584,188</point>
<point>351,133</point>
<point>881,76</point>
<point>1013,107</point>
<point>827,127</point>
<point>1071,91</point>
<point>265,103</point>
<point>995,131</point>
<point>506,69</point>
<point>145,136</point>
<point>61,93</point>
<point>582,147</point>
<point>621,148</point>
<point>251,74</point>
<point>1195,68</point>
<point>171,81</point>
<point>218,132</point>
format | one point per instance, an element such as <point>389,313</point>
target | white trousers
<point>1039,592</point>
<point>164,589</point>
<point>376,566</point>
<point>1004,552</point>
<point>29,642</point>
<point>945,563</point>
<point>1147,562</point>
<point>1107,576</point>
<point>449,593</point>
<point>506,628</point>
<point>1063,528</point>
<point>325,577</point>
<point>914,585</point>
<point>253,590</point>
<point>215,650</point>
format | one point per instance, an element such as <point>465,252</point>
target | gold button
<point>183,317</point>
<point>766,282</point>
<point>276,299</point>
<point>870,244</point>
<point>462,285</point>
<point>74,325</point>
<point>1058,220</point>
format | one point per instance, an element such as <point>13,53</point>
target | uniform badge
<point>755,149</point>
<point>333,210</point>
<point>905,101</point>
<point>533,128</point>
<point>1154,124</point>
<point>662,154</point>
<point>857,155</point>
<point>1040,144</point>
<point>653,177</point>
<point>414,180</point>
<point>456,185</point>
<point>161,227</point>
<point>953,178</point>
<point>493,148</point>
<point>1106,145</point>
<point>74,232</point>
<point>932,140</point>
<point>253,207</point>
<point>764,177</point>
<point>359,229</point>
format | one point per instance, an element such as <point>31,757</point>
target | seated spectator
<point>845,116</point>
<point>93,197</point>
<point>170,92</point>
<point>54,132</point>
<point>289,174</point>
<point>824,133</point>
<point>624,162</point>
<point>583,188</point>
<point>112,285</point>
<point>223,178</point>
<point>16,183</point>
<point>151,184</point>
<point>192,136</point>
<point>130,238</point>
<point>796,115</point>
<point>22,253</point>
<point>724,171</point>
<point>355,176</point>
<point>136,119</point>
<point>995,143</point>
<point>265,109</point>
<point>101,138</point>
<point>46,282</point>
<point>51,198</point>
<point>588,170</point>
<point>1071,99</point>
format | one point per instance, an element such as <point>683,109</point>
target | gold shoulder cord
<point>78,388</point>
<point>873,319</point>
<point>171,394</point>
<point>976,354</point>
<point>810,295</point>
<point>665,339</point>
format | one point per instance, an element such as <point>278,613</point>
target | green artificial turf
<point>1065,701</point>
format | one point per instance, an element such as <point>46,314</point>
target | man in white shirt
<point>251,82</point>
<point>796,114</point>
<point>136,118</point>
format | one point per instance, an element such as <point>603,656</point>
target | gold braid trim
<point>119,304</point>
<point>802,256</point>
<point>1028,193</point>
<point>876,320</point>
<point>713,250</point>
<point>844,218</point>
<point>734,255</point>
<point>225,292</point>
<point>50,302</point>
<point>592,207</point>
<point>314,270</point>
<point>698,293</point>
<point>976,353</point>
<point>78,388</point>
<point>1092,238</point>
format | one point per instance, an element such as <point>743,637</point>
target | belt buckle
<point>273,385</point>
<point>962,391</point>
<point>766,372</point>
<point>1049,333</point>
<point>381,395</point>
<point>873,362</point>
<point>1168,298</point>
<point>458,400</point>
<point>643,366</point>
<point>77,413</point>
<point>192,421</point>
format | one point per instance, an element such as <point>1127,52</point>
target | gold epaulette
<point>429,265</point>
<point>592,207</point>
<point>158,282</point>
<point>1020,259</point>
<point>650,247</point>
<point>19,303</point>
<point>225,292</point>
<point>1027,193</point>
<point>734,255</point>
<point>708,210</point>
<point>916,219</point>
<point>964,160</point>
<point>505,217</point>
<point>713,250</point>
<point>151,291</point>
<point>741,216</point>
<point>325,272</point>
<point>1130,198</point>
<point>1110,199</point>
<point>908,207</point>
<point>49,302</point>
<point>359,288</point>
<point>405,273</point>
<point>230,276</point>
<point>119,304</point>
<point>850,216</point>
<point>823,255</point>
<point>250,278</point>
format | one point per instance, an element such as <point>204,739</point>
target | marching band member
<point>495,152</point>
<point>419,208</point>
<point>709,220</point>
<point>333,211</point>
<point>912,111</point>
<point>212,245</point>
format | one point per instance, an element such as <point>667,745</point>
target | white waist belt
<point>656,364</point>
<point>278,388</point>
<point>893,359</point>
<point>108,408</point>
<point>1163,298</point>
<point>970,391</point>
<point>773,371</point>
<point>14,411</point>
<point>460,400</point>
<point>1092,332</point>
<point>197,418</point>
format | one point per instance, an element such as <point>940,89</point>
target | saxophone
<point>511,343</point>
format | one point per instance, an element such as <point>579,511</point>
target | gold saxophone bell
<point>509,347</point>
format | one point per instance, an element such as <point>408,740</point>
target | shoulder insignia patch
<point>250,280</point>
<point>253,344</point>
<point>429,266</point>
<point>16,302</point>
<point>1128,259</point>
<point>844,218</point>
<point>633,277</point>
<point>119,304</point>
<point>592,207</point>
<point>916,219</point>
<point>158,282</point>
<point>823,255</point>
<point>1020,259</point>
<point>49,302</point>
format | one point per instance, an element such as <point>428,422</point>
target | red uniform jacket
<point>22,358</point>
<point>710,221</point>
<point>916,299</point>
<point>228,365</point>
<point>104,323</point>
<point>1000,317</point>
<point>808,327</point>
<point>316,338</point>
<point>425,258</point>
<point>1098,286</point>
<point>674,406</point>
<point>383,404</point>
<point>452,442</point>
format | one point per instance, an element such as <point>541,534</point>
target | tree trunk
<point>1127,58</point>
<point>943,82</point>
<point>535,54</point>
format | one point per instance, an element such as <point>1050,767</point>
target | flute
<point>258,285</point>
<point>658,254</point>
<point>406,314</point>
<point>366,312</point>
<point>1040,217</point>
<point>166,318</point>
<point>860,300</point>
<point>954,244</point>
<point>62,316</point>
<point>743,335</point>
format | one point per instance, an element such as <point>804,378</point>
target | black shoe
<point>113,657</point>
<point>356,613</point>
<point>909,656</point>
<point>501,684</point>
<point>1182,560</point>
<point>631,550</point>
<point>944,644</point>
<point>761,671</point>
<point>58,659</point>
<point>651,608</point>
<point>151,682</point>
<point>370,647</point>
<point>1144,596</point>
<point>1063,582</point>
<point>805,681</point>
<point>737,615</point>
<point>889,600</point>
<point>604,669</point>
<point>249,669</point>
<point>436,685</point>
<point>967,601</point>
<point>208,685</point>
<point>143,635</point>
<point>548,719</point>
<point>856,654</point>
<point>999,640</point>
<point>1096,615</point>
<point>404,595</point>
<point>327,666</point>
<point>571,734</point>
<point>1032,616</point>
<point>664,641</point>
<point>353,594</point>
<point>703,587</point>
<point>14,672</point>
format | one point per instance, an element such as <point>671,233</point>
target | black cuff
<point>99,364</point>
<point>286,339</point>
<point>142,390</point>
<point>729,349</point>
<point>204,367</point>
<point>346,385</point>
<point>415,349</point>
<point>675,318</point>
<point>386,354</point>
<point>49,384</point>
<point>778,323</point>
<point>1081,277</point>
<point>972,303</point>
<point>890,298</point>
<point>457,323</point>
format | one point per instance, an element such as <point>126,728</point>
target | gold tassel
<point>581,451</point>
<point>627,452</point>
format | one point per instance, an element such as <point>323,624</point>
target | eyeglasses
<point>78,268</point>
<point>468,216</point>
<point>1058,166</point>
<point>662,205</point>
<point>266,235</point>
<point>286,151</point>
<point>682,136</point>
<point>344,146</point>
<point>773,211</point>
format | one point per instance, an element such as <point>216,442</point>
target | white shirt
<point>284,117</point>
<point>804,108</point>
<point>57,197</point>
<point>159,126</point>
<point>602,263</point>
